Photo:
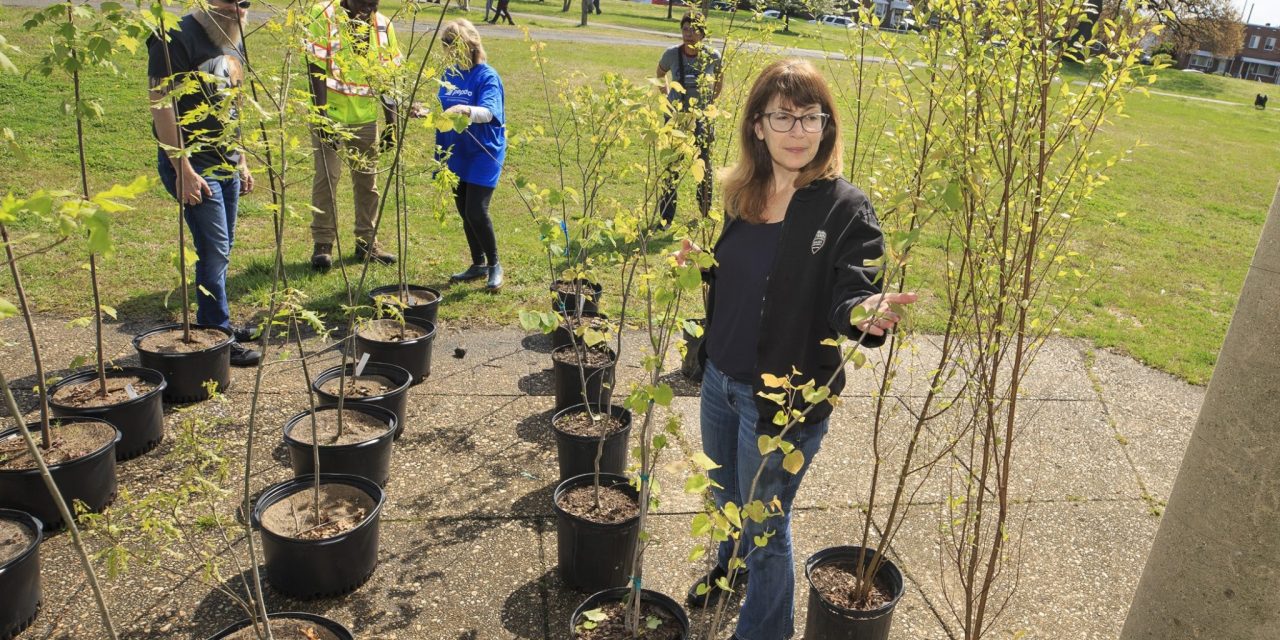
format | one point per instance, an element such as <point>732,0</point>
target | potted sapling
<point>127,397</point>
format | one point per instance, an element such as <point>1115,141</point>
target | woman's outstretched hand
<point>881,316</point>
<point>687,247</point>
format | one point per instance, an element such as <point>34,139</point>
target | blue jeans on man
<point>729,417</point>
<point>213,228</point>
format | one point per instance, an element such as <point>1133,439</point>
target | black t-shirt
<point>744,259</point>
<point>191,51</point>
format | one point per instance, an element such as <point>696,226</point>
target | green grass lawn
<point>1196,187</point>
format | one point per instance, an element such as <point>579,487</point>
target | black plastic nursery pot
<point>568,302</point>
<point>310,569</point>
<point>577,454</point>
<point>369,459</point>
<point>396,400</point>
<point>568,383</point>
<point>827,621</point>
<point>20,578</point>
<point>91,479</point>
<point>423,314</point>
<point>140,420</point>
<point>689,365</point>
<point>412,355</point>
<point>618,594</point>
<point>322,622</point>
<point>594,556</point>
<point>186,373</point>
<point>562,336</point>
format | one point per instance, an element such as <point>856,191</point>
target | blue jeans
<point>213,229</point>
<point>729,418</point>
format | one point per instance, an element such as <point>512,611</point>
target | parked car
<point>720,5</point>
<point>836,21</point>
<point>773,14</point>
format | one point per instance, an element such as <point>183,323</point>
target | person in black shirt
<point>696,67</point>
<point>794,259</point>
<point>200,163</point>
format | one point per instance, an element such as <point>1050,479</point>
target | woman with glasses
<point>794,260</point>
<point>471,87</point>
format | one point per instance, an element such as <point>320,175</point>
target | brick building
<point>1259,57</point>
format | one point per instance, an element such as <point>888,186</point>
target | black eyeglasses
<point>783,122</point>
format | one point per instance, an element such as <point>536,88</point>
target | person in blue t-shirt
<point>473,88</point>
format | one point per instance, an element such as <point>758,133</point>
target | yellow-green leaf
<point>793,461</point>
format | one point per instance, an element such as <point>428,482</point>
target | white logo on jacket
<point>819,240</point>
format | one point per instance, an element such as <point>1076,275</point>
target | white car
<point>839,21</point>
<point>773,14</point>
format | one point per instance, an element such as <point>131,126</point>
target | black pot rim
<point>612,362</point>
<point>646,595</point>
<point>849,553</point>
<point>606,480</point>
<point>369,367</point>
<point>137,340</point>
<point>621,413</point>
<point>288,615</point>
<point>114,372</point>
<point>384,289</point>
<point>281,490</point>
<point>35,426</point>
<point>372,409</point>
<point>430,332</point>
<point>593,286</point>
<point>31,522</point>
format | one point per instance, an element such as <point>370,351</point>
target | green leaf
<point>595,615</point>
<point>652,622</point>
<point>814,396</point>
<point>793,462</point>
<point>766,444</point>
<point>663,394</point>
<point>731,513</point>
<point>704,462</point>
<point>700,526</point>
<point>697,484</point>
<point>7,309</point>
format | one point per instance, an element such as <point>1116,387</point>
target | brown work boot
<point>322,256</point>
<point>371,250</point>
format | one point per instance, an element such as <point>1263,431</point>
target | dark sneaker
<point>372,251</point>
<point>712,595</point>
<point>474,272</point>
<point>495,278</point>
<point>322,256</point>
<point>245,333</point>
<point>242,356</point>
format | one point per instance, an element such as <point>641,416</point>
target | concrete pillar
<point>1214,569</point>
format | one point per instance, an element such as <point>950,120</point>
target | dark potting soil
<point>595,358</point>
<point>412,298</point>
<point>171,341</point>
<point>573,288</point>
<point>14,539</point>
<point>287,630</point>
<point>613,627</point>
<point>389,331</point>
<point>366,386</point>
<point>85,394</point>
<point>837,583</point>
<point>581,424</point>
<point>615,505</point>
<point>591,322</point>
<point>342,508</point>
<point>357,426</point>
<point>70,441</point>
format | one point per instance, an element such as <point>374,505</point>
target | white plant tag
<point>128,388</point>
<point>364,359</point>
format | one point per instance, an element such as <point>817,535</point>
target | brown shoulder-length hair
<point>799,84</point>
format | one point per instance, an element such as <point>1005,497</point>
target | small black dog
<point>1260,102</point>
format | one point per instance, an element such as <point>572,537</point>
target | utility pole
<point>1214,568</point>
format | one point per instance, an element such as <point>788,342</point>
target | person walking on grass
<point>201,163</point>
<point>472,88</point>
<point>347,43</point>
<point>696,68</point>
<point>792,263</point>
<point>502,11</point>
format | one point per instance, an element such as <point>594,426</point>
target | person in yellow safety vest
<point>349,46</point>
